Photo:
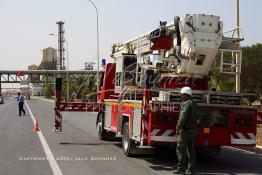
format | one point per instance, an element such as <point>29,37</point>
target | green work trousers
<point>185,150</point>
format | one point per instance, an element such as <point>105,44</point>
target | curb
<point>51,101</point>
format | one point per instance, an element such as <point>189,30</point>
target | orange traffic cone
<point>36,125</point>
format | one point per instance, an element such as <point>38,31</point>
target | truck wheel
<point>101,132</point>
<point>127,144</point>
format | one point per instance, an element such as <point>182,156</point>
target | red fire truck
<point>139,98</point>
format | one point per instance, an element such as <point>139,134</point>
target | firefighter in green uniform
<point>186,132</point>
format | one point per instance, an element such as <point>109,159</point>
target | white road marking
<point>246,151</point>
<point>50,157</point>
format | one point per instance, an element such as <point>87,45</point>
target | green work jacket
<point>187,117</point>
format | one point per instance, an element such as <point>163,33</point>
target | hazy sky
<point>25,25</point>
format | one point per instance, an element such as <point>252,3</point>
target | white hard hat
<point>186,90</point>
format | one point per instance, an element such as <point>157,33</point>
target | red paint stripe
<point>246,136</point>
<point>161,132</point>
<point>235,136</point>
<point>173,133</point>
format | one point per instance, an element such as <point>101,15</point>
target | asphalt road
<point>78,151</point>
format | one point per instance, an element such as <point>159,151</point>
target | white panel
<point>207,23</point>
<point>119,64</point>
<point>205,36</point>
<point>242,141</point>
<point>137,123</point>
<point>205,44</point>
<point>108,114</point>
<point>205,40</point>
<point>163,138</point>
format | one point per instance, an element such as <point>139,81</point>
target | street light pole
<point>97,45</point>
<point>238,54</point>
<point>67,73</point>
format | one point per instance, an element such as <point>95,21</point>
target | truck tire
<point>100,126</point>
<point>128,145</point>
<point>101,132</point>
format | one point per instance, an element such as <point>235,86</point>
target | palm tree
<point>81,87</point>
